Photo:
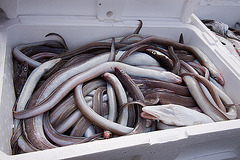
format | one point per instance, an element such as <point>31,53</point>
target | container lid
<point>104,10</point>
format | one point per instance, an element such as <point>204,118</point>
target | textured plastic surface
<point>226,11</point>
<point>102,9</point>
<point>210,141</point>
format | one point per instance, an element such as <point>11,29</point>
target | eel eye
<point>25,69</point>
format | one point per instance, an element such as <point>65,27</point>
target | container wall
<point>226,11</point>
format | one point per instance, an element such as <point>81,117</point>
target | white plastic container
<point>226,11</point>
<point>81,22</point>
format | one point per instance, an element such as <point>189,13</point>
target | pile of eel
<point>114,87</point>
